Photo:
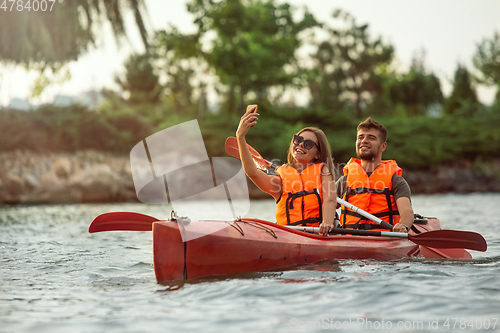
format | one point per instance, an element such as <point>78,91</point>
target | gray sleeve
<point>400,187</point>
<point>341,184</point>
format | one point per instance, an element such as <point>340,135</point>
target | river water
<point>56,277</point>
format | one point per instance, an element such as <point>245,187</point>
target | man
<point>374,185</point>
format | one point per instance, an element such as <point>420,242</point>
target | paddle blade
<point>232,149</point>
<point>122,221</point>
<point>433,253</point>
<point>451,239</point>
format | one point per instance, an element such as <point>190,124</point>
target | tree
<point>487,61</point>
<point>416,90</point>
<point>62,34</point>
<point>463,99</point>
<point>178,58</point>
<point>46,40</point>
<point>140,81</point>
<point>250,45</point>
<point>346,67</point>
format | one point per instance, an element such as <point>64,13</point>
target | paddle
<point>122,221</point>
<point>232,149</point>
<point>433,253</point>
<point>445,239</point>
<point>433,238</point>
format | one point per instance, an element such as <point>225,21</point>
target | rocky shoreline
<point>97,177</point>
<point>83,177</point>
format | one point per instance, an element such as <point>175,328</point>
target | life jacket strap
<point>379,215</point>
<point>309,220</point>
<point>363,226</point>
<point>361,190</point>
<point>353,191</point>
<point>388,193</point>
<point>289,205</point>
<point>293,196</point>
<point>368,226</point>
<point>344,210</point>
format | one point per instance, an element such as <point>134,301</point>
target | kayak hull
<point>204,248</point>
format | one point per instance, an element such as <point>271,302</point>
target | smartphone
<point>251,106</point>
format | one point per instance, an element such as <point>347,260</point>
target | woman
<point>304,189</point>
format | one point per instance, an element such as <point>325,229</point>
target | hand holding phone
<point>251,106</point>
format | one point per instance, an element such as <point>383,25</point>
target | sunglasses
<point>307,144</point>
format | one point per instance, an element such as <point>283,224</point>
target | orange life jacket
<point>301,199</point>
<point>372,194</point>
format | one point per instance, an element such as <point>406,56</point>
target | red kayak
<point>189,250</point>
<point>251,245</point>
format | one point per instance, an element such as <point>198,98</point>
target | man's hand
<point>400,227</point>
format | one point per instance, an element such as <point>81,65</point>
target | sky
<point>447,30</point>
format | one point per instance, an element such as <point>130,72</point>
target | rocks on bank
<point>83,177</point>
<point>94,177</point>
<point>460,177</point>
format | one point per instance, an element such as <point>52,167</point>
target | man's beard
<point>366,156</point>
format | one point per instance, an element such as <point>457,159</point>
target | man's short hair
<point>369,123</point>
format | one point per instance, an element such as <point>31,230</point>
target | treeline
<point>248,52</point>
<point>415,142</point>
<point>70,129</point>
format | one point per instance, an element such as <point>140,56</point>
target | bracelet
<point>404,225</point>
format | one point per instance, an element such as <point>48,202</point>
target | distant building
<point>64,100</point>
<point>435,110</point>
<point>20,104</point>
<point>91,99</point>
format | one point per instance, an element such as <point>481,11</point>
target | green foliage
<point>417,142</point>
<point>56,36</point>
<point>416,90</point>
<point>487,60</point>
<point>140,81</point>
<point>46,40</point>
<point>252,45</point>
<point>179,60</point>
<point>179,91</point>
<point>345,72</point>
<point>69,129</point>
<point>463,100</point>
<point>422,142</point>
